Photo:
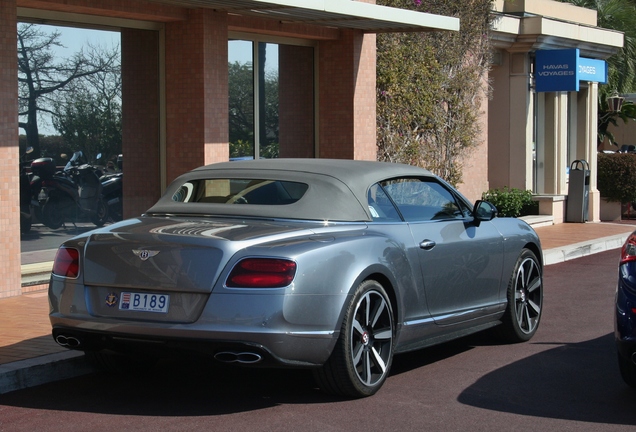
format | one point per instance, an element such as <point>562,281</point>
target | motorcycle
<point>70,194</point>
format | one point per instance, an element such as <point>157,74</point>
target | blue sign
<point>562,70</point>
<point>592,70</point>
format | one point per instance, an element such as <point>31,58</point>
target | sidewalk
<point>29,356</point>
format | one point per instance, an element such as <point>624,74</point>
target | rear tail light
<point>628,253</point>
<point>66,262</point>
<point>262,273</point>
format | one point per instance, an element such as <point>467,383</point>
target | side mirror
<point>484,211</point>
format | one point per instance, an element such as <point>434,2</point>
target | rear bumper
<point>282,330</point>
<point>288,350</point>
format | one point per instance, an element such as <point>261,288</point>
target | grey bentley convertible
<point>332,265</point>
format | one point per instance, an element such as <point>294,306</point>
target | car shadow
<point>574,382</point>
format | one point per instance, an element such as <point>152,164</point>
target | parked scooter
<point>70,194</point>
<point>112,188</point>
<point>26,216</point>
<point>112,191</point>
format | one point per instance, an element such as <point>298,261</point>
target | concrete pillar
<point>555,138</point>
<point>9,157</point>
<point>590,143</point>
<point>510,124</point>
<point>141,119</point>
<point>296,101</point>
<point>347,97</point>
<point>196,91</point>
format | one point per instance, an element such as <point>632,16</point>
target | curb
<point>42,370</point>
<point>578,250</point>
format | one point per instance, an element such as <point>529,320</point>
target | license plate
<point>144,302</point>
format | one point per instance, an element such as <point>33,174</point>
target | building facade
<point>175,86</point>
<point>534,136</point>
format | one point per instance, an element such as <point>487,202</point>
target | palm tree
<point>617,15</point>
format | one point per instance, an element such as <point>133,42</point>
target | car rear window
<point>240,191</point>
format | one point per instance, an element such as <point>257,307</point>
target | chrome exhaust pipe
<point>68,341</point>
<point>238,357</point>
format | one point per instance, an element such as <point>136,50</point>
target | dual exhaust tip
<point>238,357</point>
<point>72,342</point>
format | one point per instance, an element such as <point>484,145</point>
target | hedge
<point>616,176</point>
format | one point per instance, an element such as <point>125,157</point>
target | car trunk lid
<point>163,254</point>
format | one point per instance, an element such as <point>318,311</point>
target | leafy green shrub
<point>616,176</point>
<point>510,202</point>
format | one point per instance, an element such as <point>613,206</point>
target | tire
<point>52,215</point>
<point>362,357</point>
<point>525,300</point>
<point>628,371</point>
<point>25,224</point>
<point>100,216</point>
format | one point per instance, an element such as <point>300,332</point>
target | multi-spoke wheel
<point>363,354</point>
<point>525,299</point>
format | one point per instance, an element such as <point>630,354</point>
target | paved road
<point>565,379</point>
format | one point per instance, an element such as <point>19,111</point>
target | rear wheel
<point>525,299</point>
<point>52,213</point>
<point>363,354</point>
<point>100,216</point>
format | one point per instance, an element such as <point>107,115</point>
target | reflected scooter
<point>26,216</point>
<point>71,194</point>
<point>112,192</point>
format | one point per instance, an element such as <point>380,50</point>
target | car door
<point>461,261</point>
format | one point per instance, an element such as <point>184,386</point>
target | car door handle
<point>427,244</point>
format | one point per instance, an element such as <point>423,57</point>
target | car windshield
<point>240,191</point>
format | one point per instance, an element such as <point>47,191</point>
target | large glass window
<point>253,99</point>
<point>271,103</point>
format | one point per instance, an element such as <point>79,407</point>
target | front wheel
<point>525,299</point>
<point>363,354</point>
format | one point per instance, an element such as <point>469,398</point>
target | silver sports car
<point>333,265</point>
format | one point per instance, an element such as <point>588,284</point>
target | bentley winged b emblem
<point>144,254</point>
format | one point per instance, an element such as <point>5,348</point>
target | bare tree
<point>40,74</point>
<point>88,115</point>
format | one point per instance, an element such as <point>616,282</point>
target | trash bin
<point>578,192</point>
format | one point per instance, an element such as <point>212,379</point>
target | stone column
<point>9,157</point>
<point>196,92</point>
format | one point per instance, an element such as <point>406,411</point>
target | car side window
<point>380,206</point>
<point>420,199</point>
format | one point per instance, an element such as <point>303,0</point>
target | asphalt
<point>29,356</point>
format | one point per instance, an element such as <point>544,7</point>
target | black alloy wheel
<point>362,358</point>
